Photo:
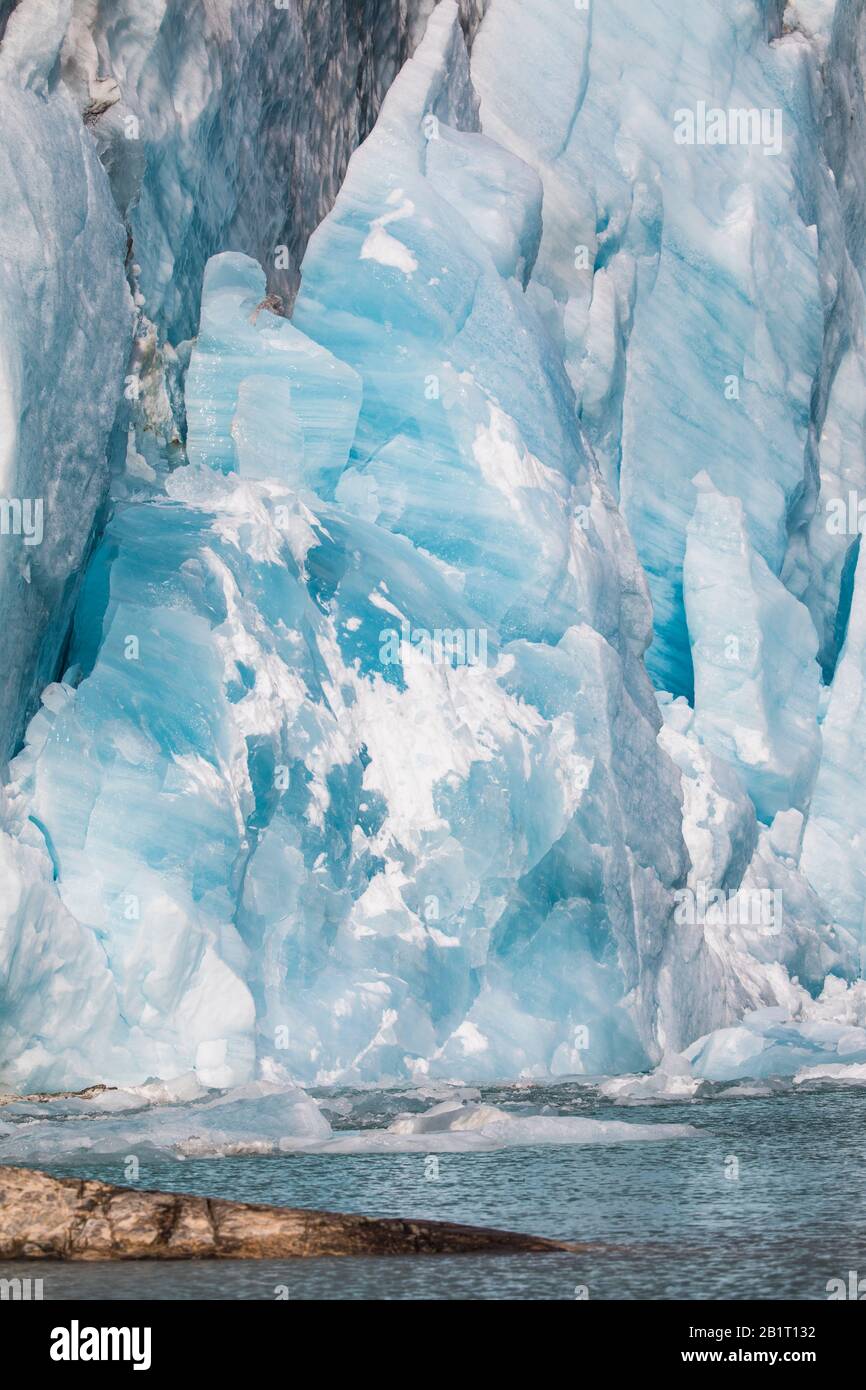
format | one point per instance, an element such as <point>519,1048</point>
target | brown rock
<point>13,1098</point>
<point>42,1217</point>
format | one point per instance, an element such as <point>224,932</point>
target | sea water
<point>766,1201</point>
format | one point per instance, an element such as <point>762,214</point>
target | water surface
<point>769,1201</point>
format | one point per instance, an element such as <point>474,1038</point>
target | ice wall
<point>833,849</point>
<point>294,827</point>
<point>754,655</point>
<point>357,764</point>
<point>823,527</point>
<point>224,123</point>
<point>228,124</point>
<point>683,279</point>
<point>66,319</point>
<point>207,144</point>
<point>708,302</point>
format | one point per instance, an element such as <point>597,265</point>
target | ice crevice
<point>442,673</point>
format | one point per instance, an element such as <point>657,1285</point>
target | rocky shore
<point>43,1217</point>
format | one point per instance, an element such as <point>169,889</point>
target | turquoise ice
<point>454,630</point>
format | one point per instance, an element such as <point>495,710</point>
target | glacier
<point>62,357</point>
<point>449,624</point>
<point>195,109</point>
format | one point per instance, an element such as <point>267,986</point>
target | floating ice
<point>185,1121</point>
<point>455,1126</point>
<point>270,1117</point>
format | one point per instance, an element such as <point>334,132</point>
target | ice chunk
<point>455,1126</point>
<point>262,1117</point>
<point>803,1040</point>
<point>719,822</point>
<point>754,649</point>
<point>834,837</point>
<point>261,398</point>
<point>747,899</point>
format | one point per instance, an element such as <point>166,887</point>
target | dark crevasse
<point>230,126</point>
<point>6,8</point>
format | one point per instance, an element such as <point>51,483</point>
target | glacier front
<point>454,672</point>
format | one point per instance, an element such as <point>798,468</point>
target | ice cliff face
<point>356,763</point>
<point>331,804</point>
<point>206,106</point>
<point>224,124</point>
<point>694,331</point>
<point>62,355</point>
